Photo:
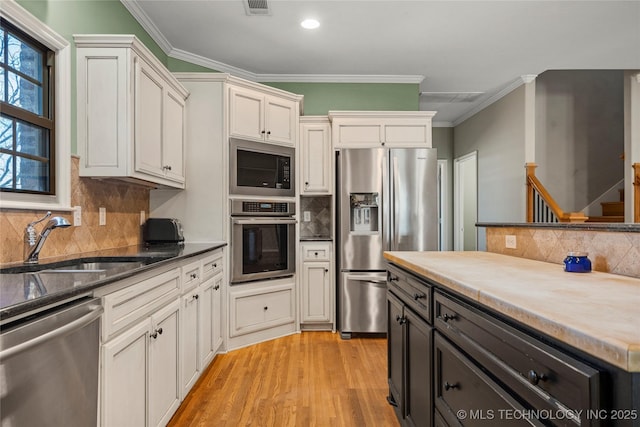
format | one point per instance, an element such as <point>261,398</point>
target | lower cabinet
<point>140,372</point>
<point>159,333</point>
<point>317,290</point>
<point>410,343</point>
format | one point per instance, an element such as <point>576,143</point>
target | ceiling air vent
<point>450,97</point>
<point>256,7</point>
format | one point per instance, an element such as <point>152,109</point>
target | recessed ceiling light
<point>310,24</point>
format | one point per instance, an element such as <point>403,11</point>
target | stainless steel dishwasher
<point>49,367</point>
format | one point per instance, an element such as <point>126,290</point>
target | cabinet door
<point>164,386</point>
<point>407,134</point>
<point>357,134</point>
<point>316,292</point>
<point>124,378</point>
<point>418,407</point>
<point>148,119</point>
<point>395,351</point>
<point>216,321</point>
<point>316,158</point>
<point>189,336</point>
<point>280,120</point>
<point>246,114</point>
<point>208,295</point>
<point>173,136</point>
<point>253,310</point>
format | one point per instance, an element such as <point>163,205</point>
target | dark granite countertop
<point>587,226</point>
<point>24,293</point>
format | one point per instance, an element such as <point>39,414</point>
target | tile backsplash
<point>123,202</point>
<point>609,251</point>
<point>320,211</point>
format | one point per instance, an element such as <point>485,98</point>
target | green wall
<point>319,98</point>
<point>69,17</point>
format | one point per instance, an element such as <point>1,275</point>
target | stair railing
<point>540,205</point>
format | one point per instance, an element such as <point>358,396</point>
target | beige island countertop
<point>598,313</point>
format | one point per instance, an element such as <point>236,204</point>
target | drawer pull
<point>448,386</point>
<point>419,296</point>
<point>266,308</point>
<point>393,278</point>
<point>401,320</point>
<point>446,317</point>
<point>216,287</point>
<point>194,276</point>
<point>215,265</point>
<point>196,296</point>
<point>535,378</point>
<point>155,333</point>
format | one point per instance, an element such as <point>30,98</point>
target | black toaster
<point>162,230</point>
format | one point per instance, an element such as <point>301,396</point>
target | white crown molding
<point>442,124</point>
<point>149,26</point>
<point>501,94</point>
<point>210,63</point>
<point>24,20</point>
<point>340,78</point>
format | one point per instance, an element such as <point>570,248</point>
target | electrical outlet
<point>103,216</point>
<point>77,216</point>
<point>307,216</point>
<point>142,217</point>
<point>510,241</point>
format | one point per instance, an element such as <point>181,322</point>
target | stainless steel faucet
<point>33,242</point>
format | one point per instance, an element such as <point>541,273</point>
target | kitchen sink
<point>95,267</point>
<point>83,265</point>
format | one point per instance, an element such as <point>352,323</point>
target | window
<point>35,155</point>
<point>27,142</point>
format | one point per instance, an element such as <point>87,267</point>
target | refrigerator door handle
<point>386,198</point>
<point>395,231</point>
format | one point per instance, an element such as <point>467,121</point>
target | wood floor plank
<point>306,379</point>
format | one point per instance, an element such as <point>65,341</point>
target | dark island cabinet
<point>455,362</point>
<point>410,346</point>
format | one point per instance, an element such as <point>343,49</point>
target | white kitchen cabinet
<point>131,113</point>
<point>260,307</point>
<point>366,129</point>
<point>201,316</point>
<point>315,149</point>
<point>317,308</point>
<point>262,117</point>
<point>140,372</point>
<point>164,387</point>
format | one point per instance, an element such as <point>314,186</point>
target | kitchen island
<point>534,336</point>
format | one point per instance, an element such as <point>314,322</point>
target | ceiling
<point>485,48</point>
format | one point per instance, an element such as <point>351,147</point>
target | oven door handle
<point>264,221</point>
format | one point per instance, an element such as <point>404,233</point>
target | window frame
<point>24,21</point>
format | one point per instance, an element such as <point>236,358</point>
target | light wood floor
<point>307,379</point>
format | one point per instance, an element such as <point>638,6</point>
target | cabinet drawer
<point>212,265</point>
<point>462,388</point>
<point>413,292</point>
<point>190,275</point>
<point>547,378</point>
<point>256,311</point>
<point>126,306</point>
<point>316,252</point>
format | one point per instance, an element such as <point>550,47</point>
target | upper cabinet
<point>359,129</point>
<point>261,116</point>
<point>131,112</point>
<point>315,154</point>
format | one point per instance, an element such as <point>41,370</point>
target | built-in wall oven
<point>261,169</point>
<point>262,240</point>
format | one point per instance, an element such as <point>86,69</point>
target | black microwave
<point>261,169</point>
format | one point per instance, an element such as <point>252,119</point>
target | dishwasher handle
<point>78,323</point>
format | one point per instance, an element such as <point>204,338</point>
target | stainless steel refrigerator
<point>387,200</point>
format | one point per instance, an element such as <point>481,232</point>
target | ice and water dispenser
<point>364,213</point>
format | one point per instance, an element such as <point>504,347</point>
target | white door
<point>148,120</point>
<point>465,202</point>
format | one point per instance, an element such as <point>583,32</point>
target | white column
<point>529,118</point>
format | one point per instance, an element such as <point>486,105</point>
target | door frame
<point>459,193</point>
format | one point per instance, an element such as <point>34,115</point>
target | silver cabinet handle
<point>75,324</point>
